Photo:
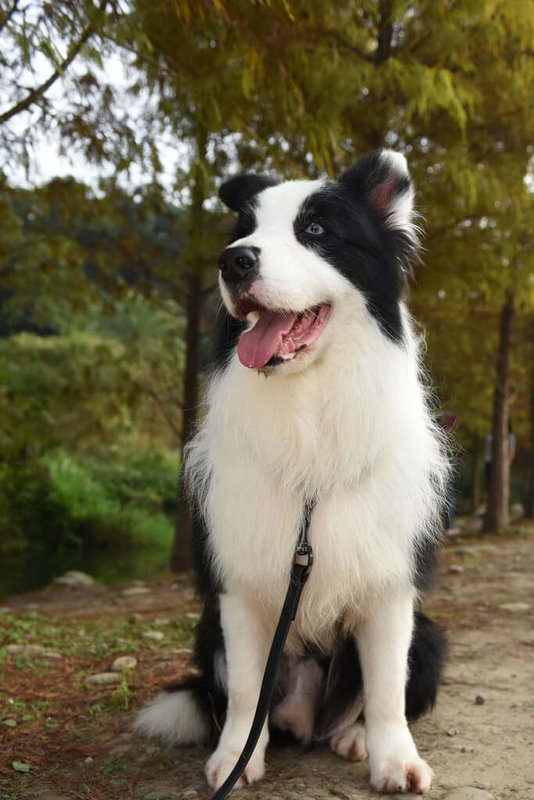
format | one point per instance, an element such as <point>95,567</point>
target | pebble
<point>88,760</point>
<point>452,732</point>
<point>156,636</point>
<point>515,607</point>
<point>26,649</point>
<point>456,568</point>
<point>132,591</point>
<point>162,794</point>
<point>190,794</point>
<point>124,663</point>
<point>468,793</point>
<point>461,748</point>
<point>482,785</point>
<point>192,615</point>
<point>74,578</point>
<point>410,794</point>
<point>479,700</point>
<point>182,651</point>
<point>104,678</point>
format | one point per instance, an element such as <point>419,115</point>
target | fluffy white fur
<point>173,717</point>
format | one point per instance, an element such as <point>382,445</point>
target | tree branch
<point>8,14</point>
<point>35,94</point>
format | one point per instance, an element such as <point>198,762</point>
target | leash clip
<point>304,557</point>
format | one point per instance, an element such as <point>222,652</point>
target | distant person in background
<point>446,422</point>
<point>489,452</point>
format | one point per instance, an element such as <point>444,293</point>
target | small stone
<point>452,732</point>
<point>26,649</point>
<point>75,579</point>
<point>479,700</point>
<point>515,608</point>
<point>123,664</point>
<point>192,615</point>
<point>88,760</point>
<point>456,568</point>
<point>468,793</point>
<point>190,794</point>
<point>104,678</point>
<point>133,591</point>
<point>156,636</point>
<point>482,785</point>
<point>182,651</point>
<point>461,748</point>
<point>162,794</point>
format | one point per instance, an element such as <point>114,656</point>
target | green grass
<point>105,636</point>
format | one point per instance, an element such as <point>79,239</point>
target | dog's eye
<point>314,229</point>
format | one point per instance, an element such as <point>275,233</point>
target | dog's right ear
<point>239,191</point>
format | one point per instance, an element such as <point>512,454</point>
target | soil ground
<point>63,739</point>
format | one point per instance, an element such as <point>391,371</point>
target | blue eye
<point>314,229</point>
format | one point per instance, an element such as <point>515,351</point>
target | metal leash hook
<point>300,570</point>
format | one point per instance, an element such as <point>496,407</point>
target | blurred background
<point>118,121</point>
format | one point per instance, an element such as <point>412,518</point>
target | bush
<point>56,503</point>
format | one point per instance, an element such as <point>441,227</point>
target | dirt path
<point>73,738</point>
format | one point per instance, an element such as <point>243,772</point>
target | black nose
<point>239,263</point>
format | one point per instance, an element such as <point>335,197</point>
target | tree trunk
<point>529,497</point>
<point>497,513</point>
<point>181,556</point>
<point>181,548</point>
<point>476,473</point>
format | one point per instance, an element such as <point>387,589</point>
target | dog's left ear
<point>383,179</point>
<point>239,191</point>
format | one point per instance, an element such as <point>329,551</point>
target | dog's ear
<point>238,191</point>
<point>383,179</point>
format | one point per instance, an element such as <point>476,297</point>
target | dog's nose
<point>239,263</point>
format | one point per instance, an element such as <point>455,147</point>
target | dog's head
<point>303,252</point>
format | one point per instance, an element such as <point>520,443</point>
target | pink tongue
<point>257,346</point>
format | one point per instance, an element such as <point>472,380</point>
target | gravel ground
<point>479,739</point>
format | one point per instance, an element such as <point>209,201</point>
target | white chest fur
<point>351,431</point>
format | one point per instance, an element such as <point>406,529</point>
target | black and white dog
<point>320,400</point>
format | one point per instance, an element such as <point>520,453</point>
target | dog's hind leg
<point>297,709</point>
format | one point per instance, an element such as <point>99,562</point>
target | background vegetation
<point>106,301</point>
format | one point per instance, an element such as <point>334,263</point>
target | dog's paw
<point>402,775</point>
<point>350,743</point>
<point>221,763</point>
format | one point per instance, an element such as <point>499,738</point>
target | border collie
<point>317,397</point>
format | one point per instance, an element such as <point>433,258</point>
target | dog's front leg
<point>246,645</point>
<point>384,641</point>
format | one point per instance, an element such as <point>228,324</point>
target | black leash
<point>302,564</point>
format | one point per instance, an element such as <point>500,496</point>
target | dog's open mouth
<point>279,335</point>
